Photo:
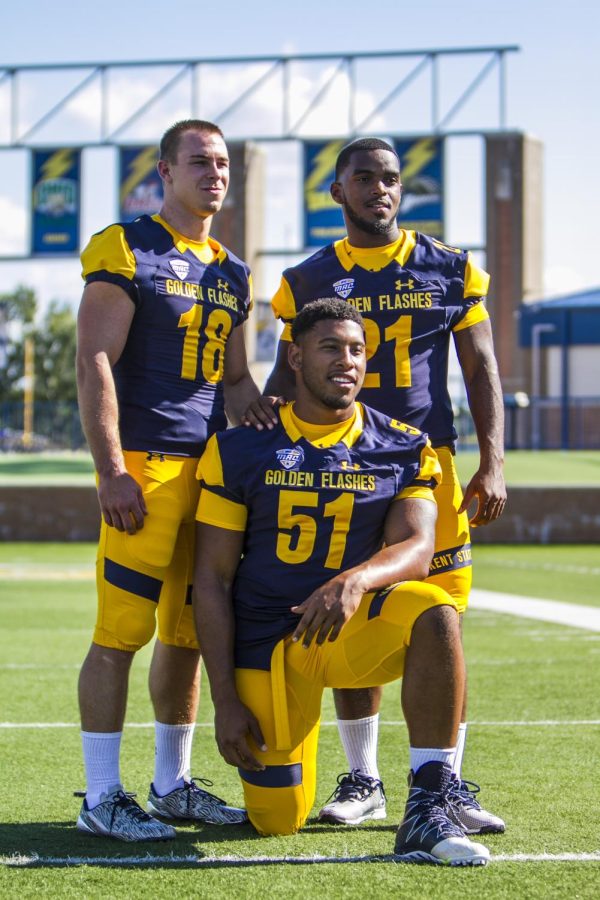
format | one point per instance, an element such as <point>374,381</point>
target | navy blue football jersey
<point>169,376</point>
<point>311,510</point>
<point>417,292</point>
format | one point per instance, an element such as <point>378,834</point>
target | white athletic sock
<point>460,749</point>
<point>421,755</point>
<point>101,753</point>
<point>173,756</point>
<point>359,739</point>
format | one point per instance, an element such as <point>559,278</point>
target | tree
<point>16,309</point>
<point>54,347</point>
<point>54,344</point>
<point>54,387</point>
<point>55,391</point>
<point>20,306</point>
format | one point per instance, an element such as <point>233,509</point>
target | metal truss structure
<point>81,104</point>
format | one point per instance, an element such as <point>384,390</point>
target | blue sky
<point>553,84</point>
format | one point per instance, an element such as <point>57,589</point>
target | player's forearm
<point>409,540</point>
<point>99,413</point>
<point>215,627</point>
<point>487,409</point>
<point>280,385</point>
<point>238,397</point>
<point>281,382</point>
<point>406,561</point>
<point>328,608</point>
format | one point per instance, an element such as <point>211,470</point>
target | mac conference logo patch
<point>343,287</point>
<point>291,458</point>
<point>181,267</point>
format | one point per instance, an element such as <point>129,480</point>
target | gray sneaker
<point>467,812</point>
<point>192,803</point>
<point>357,797</point>
<point>427,834</point>
<point>119,816</point>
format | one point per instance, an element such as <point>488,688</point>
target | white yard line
<point>543,610</point>
<point>572,614</point>
<point>31,571</point>
<point>569,568</point>
<point>512,723</point>
<point>576,615</point>
<point>45,572</point>
<point>53,667</point>
<point>22,861</point>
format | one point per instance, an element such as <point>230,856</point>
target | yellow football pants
<point>286,700</point>
<point>146,577</point>
<point>451,564</point>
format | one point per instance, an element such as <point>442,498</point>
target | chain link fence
<point>545,424</point>
<point>56,426</point>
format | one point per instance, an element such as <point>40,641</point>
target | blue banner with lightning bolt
<point>421,170</point>
<point>140,187</point>
<point>55,201</point>
<point>422,207</point>
<point>323,220</point>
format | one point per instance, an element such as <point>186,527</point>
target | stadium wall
<point>533,515</point>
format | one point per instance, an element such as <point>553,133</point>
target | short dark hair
<point>333,308</point>
<point>169,143</point>
<point>358,146</point>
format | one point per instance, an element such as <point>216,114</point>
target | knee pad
<point>279,798</point>
<point>129,627</point>
<point>127,603</point>
<point>403,603</point>
<point>274,809</point>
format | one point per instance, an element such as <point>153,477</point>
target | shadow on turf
<point>59,845</point>
<point>62,839</point>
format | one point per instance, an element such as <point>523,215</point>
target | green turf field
<point>569,573</point>
<point>575,467</point>
<point>535,714</point>
<point>46,468</point>
<point>544,467</point>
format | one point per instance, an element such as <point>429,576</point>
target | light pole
<point>28,389</point>
<point>536,378</point>
<point>3,332</point>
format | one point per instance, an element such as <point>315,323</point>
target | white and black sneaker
<point>357,797</point>
<point>426,834</point>
<point>119,816</point>
<point>467,812</point>
<point>192,803</point>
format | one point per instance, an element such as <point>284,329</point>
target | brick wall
<point>537,515</point>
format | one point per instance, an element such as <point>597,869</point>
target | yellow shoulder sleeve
<point>214,509</point>
<point>109,251</point>
<point>284,308</point>
<point>250,293</point>
<point>474,314</point>
<point>477,281</point>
